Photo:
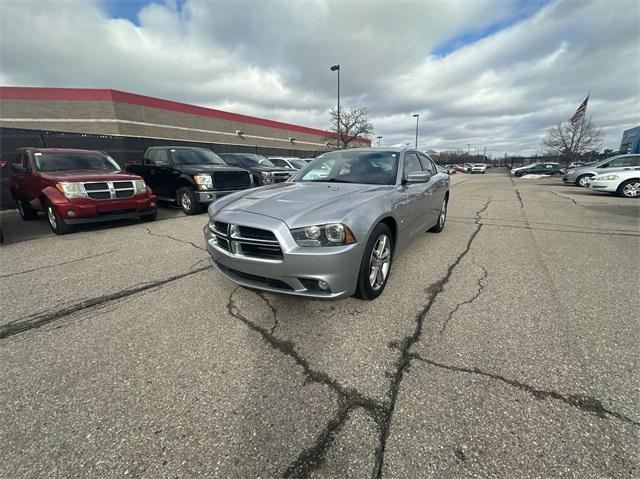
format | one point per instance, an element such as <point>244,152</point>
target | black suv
<point>264,172</point>
<point>190,177</point>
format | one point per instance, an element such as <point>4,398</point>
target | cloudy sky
<point>494,73</point>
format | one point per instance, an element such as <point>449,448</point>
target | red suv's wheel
<point>58,226</point>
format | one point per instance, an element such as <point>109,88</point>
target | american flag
<point>580,112</point>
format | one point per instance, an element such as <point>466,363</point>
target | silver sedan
<point>333,229</point>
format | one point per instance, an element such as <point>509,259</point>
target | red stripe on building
<point>94,94</point>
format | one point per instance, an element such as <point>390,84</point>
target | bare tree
<point>570,140</point>
<point>354,123</point>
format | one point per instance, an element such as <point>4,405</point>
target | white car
<point>623,183</point>
<point>288,162</point>
<point>479,168</point>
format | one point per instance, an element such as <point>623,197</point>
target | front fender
<point>53,196</point>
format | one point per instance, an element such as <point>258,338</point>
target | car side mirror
<point>417,177</point>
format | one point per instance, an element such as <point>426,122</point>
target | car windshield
<point>377,168</point>
<point>195,157</point>
<point>255,160</point>
<point>74,161</point>
<point>298,163</point>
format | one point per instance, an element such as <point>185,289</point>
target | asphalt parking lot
<point>506,346</point>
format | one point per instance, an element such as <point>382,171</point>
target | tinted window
<point>74,161</point>
<point>298,163</point>
<point>411,164</point>
<point>150,156</point>
<point>348,166</point>
<point>230,160</point>
<point>620,162</point>
<point>254,160</point>
<point>183,156</point>
<point>161,158</point>
<point>635,161</point>
<point>278,162</point>
<point>427,164</point>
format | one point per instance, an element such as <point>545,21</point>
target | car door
<point>160,174</point>
<point>435,191</point>
<point>418,211</point>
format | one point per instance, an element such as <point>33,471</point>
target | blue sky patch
<point>128,9</point>
<point>524,9</point>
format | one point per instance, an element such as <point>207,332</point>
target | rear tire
<point>629,189</point>
<point>442,218</point>
<point>381,241</point>
<point>58,226</point>
<point>26,212</point>
<point>188,202</point>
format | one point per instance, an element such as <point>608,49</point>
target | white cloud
<point>271,59</point>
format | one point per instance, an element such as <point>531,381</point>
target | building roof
<point>96,94</point>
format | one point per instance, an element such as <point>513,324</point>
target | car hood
<point>197,169</point>
<point>271,168</point>
<point>304,204</point>
<point>88,175</point>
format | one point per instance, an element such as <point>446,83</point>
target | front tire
<point>376,263</point>
<point>582,180</point>
<point>442,218</point>
<point>188,202</point>
<point>629,189</point>
<point>26,212</point>
<point>58,226</point>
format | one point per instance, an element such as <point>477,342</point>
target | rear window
<point>74,161</point>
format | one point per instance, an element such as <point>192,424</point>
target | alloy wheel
<point>186,202</point>
<point>52,217</point>
<point>584,181</point>
<point>631,190</point>
<point>380,262</point>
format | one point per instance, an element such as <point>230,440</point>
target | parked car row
<point>618,175</point>
<point>83,186</point>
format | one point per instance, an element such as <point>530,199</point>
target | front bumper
<point>85,210</point>
<point>209,196</point>
<point>299,270</point>
<point>608,186</point>
<point>569,178</point>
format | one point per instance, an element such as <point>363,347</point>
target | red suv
<point>76,186</point>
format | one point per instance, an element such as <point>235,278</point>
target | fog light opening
<point>71,213</point>
<point>323,285</point>
<point>153,205</point>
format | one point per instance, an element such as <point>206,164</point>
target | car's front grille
<point>247,241</point>
<point>231,180</point>
<point>280,176</point>
<point>106,190</point>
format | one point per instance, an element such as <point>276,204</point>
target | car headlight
<point>72,190</point>
<point>333,234</point>
<point>204,182</point>
<point>606,178</point>
<point>139,186</point>
<point>265,177</point>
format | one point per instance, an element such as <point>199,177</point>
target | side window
<point>161,158</point>
<point>411,164</point>
<point>279,163</point>
<point>428,164</point>
<point>635,161</point>
<point>149,157</point>
<point>620,162</point>
<point>25,161</point>
<point>231,160</point>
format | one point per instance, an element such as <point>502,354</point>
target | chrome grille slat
<point>107,190</point>
<point>257,247</point>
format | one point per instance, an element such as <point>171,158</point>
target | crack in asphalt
<point>58,264</point>
<point>579,401</point>
<point>511,220</point>
<point>274,311</point>
<point>175,239</point>
<point>481,287</point>
<point>40,319</point>
<point>406,344</point>
<point>348,398</point>
<point>519,198</point>
<point>564,197</point>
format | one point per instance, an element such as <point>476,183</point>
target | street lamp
<point>468,148</point>
<point>333,69</point>
<point>379,138</point>
<point>417,117</point>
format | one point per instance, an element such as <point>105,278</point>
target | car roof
<point>180,147</point>
<point>59,150</point>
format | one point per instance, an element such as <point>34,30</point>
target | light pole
<point>379,138</point>
<point>333,69</point>
<point>417,117</point>
<point>468,148</point>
